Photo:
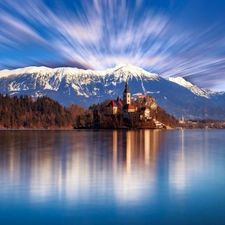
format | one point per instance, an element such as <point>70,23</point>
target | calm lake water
<point>112,177</point>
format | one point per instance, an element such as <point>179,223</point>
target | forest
<point>25,112</point>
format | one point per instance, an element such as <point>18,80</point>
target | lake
<point>112,177</point>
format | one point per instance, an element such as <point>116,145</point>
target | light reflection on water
<point>120,176</point>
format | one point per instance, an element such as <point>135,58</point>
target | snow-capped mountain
<point>86,87</point>
<point>203,92</point>
<point>71,82</point>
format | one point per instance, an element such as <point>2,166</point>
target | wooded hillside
<point>24,112</point>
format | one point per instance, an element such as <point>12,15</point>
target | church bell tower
<point>126,95</point>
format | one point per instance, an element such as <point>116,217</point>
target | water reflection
<point>128,176</point>
<point>70,164</point>
<point>134,164</point>
<point>188,161</point>
<point>177,167</point>
<point>79,167</point>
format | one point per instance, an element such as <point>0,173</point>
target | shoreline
<point>99,129</point>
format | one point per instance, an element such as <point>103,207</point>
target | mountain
<point>86,87</point>
<point>216,96</point>
<point>195,89</point>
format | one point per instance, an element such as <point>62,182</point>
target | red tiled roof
<point>129,106</point>
<point>120,102</point>
<point>115,103</point>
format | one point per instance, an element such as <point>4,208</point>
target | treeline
<point>162,116</point>
<point>24,112</point>
<point>203,124</point>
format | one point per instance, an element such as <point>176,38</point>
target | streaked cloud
<point>99,34</point>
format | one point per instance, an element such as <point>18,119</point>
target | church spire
<point>126,94</point>
<point>126,90</point>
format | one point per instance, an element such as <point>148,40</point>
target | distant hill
<point>86,87</point>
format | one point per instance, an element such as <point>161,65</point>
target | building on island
<point>144,113</point>
<point>114,107</point>
<point>128,108</point>
<point>119,106</point>
<point>126,95</point>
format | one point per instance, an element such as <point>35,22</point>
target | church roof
<point>129,106</point>
<point>115,103</point>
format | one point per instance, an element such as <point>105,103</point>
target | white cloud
<point>102,33</point>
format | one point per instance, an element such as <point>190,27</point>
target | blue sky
<point>168,37</point>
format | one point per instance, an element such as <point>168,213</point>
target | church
<point>123,107</point>
<point>127,106</point>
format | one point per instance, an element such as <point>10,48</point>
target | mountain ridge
<point>70,85</point>
<point>194,88</point>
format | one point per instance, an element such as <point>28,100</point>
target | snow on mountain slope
<point>86,87</point>
<point>193,88</point>
<point>51,79</point>
<point>125,71</point>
